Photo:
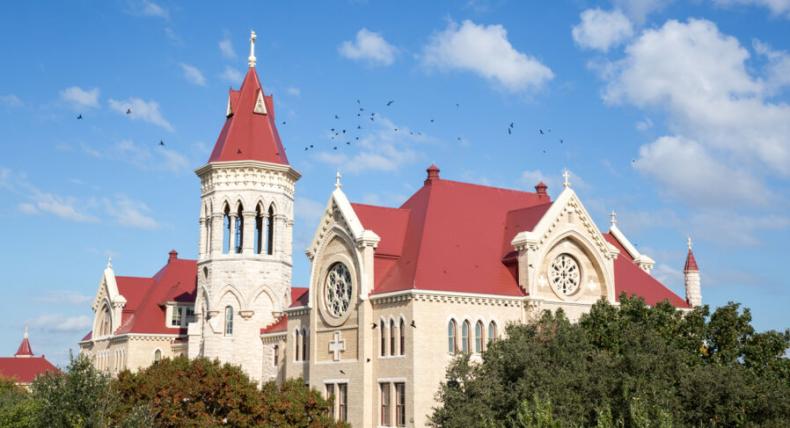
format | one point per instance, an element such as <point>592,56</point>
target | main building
<point>394,293</point>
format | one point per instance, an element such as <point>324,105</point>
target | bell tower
<point>246,221</point>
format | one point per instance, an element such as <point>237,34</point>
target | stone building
<point>394,293</point>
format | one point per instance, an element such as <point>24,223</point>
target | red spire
<point>691,263</point>
<point>24,348</point>
<point>249,132</point>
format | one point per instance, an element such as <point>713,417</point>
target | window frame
<point>465,335</point>
<point>479,339</point>
<point>385,404</point>
<point>400,404</point>
<point>452,337</point>
<point>228,329</point>
<point>342,402</point>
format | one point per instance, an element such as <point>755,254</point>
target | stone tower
<point>692,280</point>
<point>246,221</point>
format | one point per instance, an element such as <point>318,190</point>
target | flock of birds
<point>351,134</point>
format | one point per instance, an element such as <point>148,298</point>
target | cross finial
<point>689,242</point>
<point>251,59</point>
<point>613,218</point>
<point>109,262</point>
<point>337,180</point>
<point>26,331</point>
<point>566,178</point>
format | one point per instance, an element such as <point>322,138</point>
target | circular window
<point>564,274</point>
<point>338,290</point>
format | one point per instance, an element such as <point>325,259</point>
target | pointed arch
<point>229,320</point>
<point>297,344</point>
<point>465,336</point>
<point>402,334</point>
<point>479,336</point>
<point>270,229</point>
<point>393,337</point>
<point>226,227</point>
<point>239,229</point>
<point>383,341</point>
<point>258,236</point>
<point>305,345</point>
<point>452,337</point>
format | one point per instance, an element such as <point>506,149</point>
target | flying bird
<point>283,122</point>
<point>337,117</point>
<point>389,103</point>
<point>79,117</point>
<point>162,143</point>
<point>541,131</point>
<point>128,111</point>
<point>509,131</point>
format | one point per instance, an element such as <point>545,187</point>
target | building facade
<point>394,293</point>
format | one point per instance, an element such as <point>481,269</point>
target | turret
<point>691,279</point>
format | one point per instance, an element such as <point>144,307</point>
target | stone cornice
<point>448,297</point>
<point>287,169</point>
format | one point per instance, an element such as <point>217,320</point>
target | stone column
<point>216,234</point>
<point>232,240</point>
<point>249,232</point>
<point>202,245</point>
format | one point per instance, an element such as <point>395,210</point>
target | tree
<point>17,409</point>
<point>201,392</point>
<point>632,365</point>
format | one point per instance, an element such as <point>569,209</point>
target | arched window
<point>157,355</point>
<point>305,346</point>
<point>239,238</point>
<point>392,337</point>
<point>276,355</point>
<point>452,343</point>
<point>105,322</point>
<point>492,332</point>
<point>479,337</point>
<point>383,351</point>
<point>258,244</point>
<point>465,337</point>
<point>270,231</point>
<point>228,321</point>
<point>297,344</point>
<point>226,230</point>
<point>402,331</point>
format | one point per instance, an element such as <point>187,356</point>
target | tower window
<point>452,343</point>
<point>228,321</point>
<point>402,332</point>
<point>258,230</point>
<point>305,348</point>
<point>226,230</point>
<point>270,231</point>
<point>383,340</point>
<point>465,337</point>
<point>479,337</point>
<point>239,238</point>
<point>392,337</point>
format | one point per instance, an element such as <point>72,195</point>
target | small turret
<point>692,279</point>
<point>24,351</point>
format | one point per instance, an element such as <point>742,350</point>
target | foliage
<point>202,393</point>
<point>16,407</point>
<point>626,366</point>
<point>79,397</point>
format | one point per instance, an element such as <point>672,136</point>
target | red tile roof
<point>248,135</point>
<point>691,263</point>
<point>279,325</point>
<point>298,298</point>
<point>25,370</point>
<point>24,349</point>
<point>632,280</point>
<point>145,297</point>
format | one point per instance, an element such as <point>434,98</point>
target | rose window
<point>564,274</point>
<point>338,290</point>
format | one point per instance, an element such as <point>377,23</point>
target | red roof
<point>25,370</point>
<point>438,240</point>
<point>691,263</point>
<point>248,135</point>
<point>24,349</point>
<point>632,280</point>
<point>298,298</point>
<point>456,237</point>
<point>145,297</point>
<point>279,325</point>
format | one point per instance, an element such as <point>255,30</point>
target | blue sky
<point>674,114</point>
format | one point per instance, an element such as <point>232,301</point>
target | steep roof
<point>145,297</point>
<point>249,132</point>
<point>24,349</point>
<point>25,370</point>
<point>691,263</point>
<point>449,237</point>
<point>632,280</point>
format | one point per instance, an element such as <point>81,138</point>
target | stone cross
<point>337,180</point>
<point>613,218</point>
<point>566,178</point>
<point>337,346</point>
<point>251,58</point>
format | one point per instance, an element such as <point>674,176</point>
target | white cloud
<point>726,134</point>
<point>777,71</point>
<point>532,177</point>
<point>143,157</point>
<point>381,150</point>
<point>232,75</point>
<point>61,323</point>
<point>644,124</point>
<point>68,297</point>
<point>777,7</point>
<point>735,229</point>
<point>293,91</point>
<point>602,30</point>
<point>130,213</point>
<point>79,98</point>
<point>687,170</point>
<point>148,8</point>
<point>147,111</point>
<point>226,47</point>
<point>10,100</point>
<point>67,208</point>
<point>369,47</point>
<point>308,210</point>
<point>638,10</point>
<point>485,50</point>
<point>193,74</point>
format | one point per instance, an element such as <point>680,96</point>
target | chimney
<point>173,255</point>
<point>433,174</point>
<point>540,189</point>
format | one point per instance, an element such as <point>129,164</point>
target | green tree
<point>17,409</point>
<point>626,366</point>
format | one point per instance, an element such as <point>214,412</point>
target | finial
<point>689,242</point>
<point>109,262</point>
<point>26,331</point>
<point>566,178</point>
<point>337,180</point>
<point>251,59</point>
<point>613,218</point>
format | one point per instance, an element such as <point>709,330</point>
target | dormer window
<point>181,315</point>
